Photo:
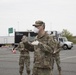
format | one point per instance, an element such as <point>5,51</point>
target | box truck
<point>6,40</point>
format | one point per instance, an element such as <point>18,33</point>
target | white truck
<point>6,40</point>
<point>65,44</point>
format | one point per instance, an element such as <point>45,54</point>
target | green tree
<point>67,34</point>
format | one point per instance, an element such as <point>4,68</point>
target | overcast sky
<point>21,14</point>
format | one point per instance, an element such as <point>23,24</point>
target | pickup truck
<point>64,43</point>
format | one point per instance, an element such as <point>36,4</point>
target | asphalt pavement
<point>9,62</point>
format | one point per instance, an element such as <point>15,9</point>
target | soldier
<point>43,49</point>
<point>24,56</point>
<point>56,56</point>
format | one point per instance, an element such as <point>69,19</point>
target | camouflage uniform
<point>24,58</point>
<point>56,57</point>
<point>43,55</point>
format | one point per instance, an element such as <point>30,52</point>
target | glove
<point>35,43</point>
<point>14,51</point>
<point>54,52</point>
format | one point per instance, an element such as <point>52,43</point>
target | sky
<point>21,14</point>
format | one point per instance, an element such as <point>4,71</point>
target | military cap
<point>38,23</point>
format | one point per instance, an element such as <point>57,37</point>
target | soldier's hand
<point>54,52</point>
<point>14,51</point>
<point>35,43</point>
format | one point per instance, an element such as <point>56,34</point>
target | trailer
<point>19,34</point>
<point>6,40</point>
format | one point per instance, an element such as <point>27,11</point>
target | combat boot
<point>59,72</point>
<point>28,72</point>
<point>20,73</point>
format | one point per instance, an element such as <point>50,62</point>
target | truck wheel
<point>65,47</point>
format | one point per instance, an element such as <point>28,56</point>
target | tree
<point>67,34</point>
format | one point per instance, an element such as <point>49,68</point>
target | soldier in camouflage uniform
<point>24,56</point>
<point>56,56</point>
<point>43,49</point>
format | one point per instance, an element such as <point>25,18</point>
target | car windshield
<point>65,39</point>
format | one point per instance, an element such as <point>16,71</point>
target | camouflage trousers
<point>57,59</point>
<point>41,71</point>
<point>24,60</point>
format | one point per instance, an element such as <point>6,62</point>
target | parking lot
<point>9,62</point>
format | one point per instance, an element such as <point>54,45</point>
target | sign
<point>10,30</point>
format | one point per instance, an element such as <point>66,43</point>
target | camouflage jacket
<point>57,49</point>
<point>21,48</point>
<point>43,51</point>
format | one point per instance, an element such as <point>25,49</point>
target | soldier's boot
<point>59,72</point>
<point>28,72</point>
<point>20,73</point>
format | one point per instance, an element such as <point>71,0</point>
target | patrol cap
<point>38,23</point>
